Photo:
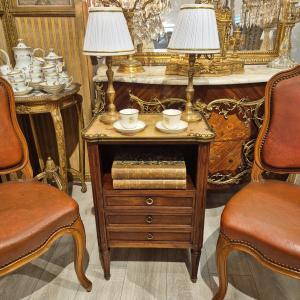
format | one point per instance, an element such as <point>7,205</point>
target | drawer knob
<point>149,201</point>
<point>149,219</point>
<point>149,236</point>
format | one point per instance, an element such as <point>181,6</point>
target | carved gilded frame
<point>42,10</point>
<point>248,57</point>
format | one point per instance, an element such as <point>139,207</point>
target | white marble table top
<point>156,75</point>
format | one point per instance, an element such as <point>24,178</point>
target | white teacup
<point>49,69</point>
<point>19,85</point>
<point>64,78</point>
<point>16,75</point>
<point>171,118</point>
<point>37,62</point>
<point>36,77</point>
<point>52,80</point>
<point>129,117</point>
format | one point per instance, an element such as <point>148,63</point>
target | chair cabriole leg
<point>78,234</point>
<point>222,256</point>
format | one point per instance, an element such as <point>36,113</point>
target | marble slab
<point>156,75</point>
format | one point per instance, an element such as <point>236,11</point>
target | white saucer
<point>25,92</point>
<point>182,126</point>
<point>139,127</point>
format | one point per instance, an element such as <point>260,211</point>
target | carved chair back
<point>13,146</point>
<point>278,144</point>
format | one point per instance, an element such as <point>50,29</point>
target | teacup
<point>16,75</point>
<point>52,80</point>
<point>49,69</point>
<point>64,78</point>
<point>19,85</point>
<point>36,77</point>
<point>37,62</point>
<point>171,118</point>
<point>129,118</point>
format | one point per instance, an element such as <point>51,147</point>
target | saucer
<point>182,126</point>
<point>24,92</point>
<point>139,127</point>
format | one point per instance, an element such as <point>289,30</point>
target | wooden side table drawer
<point>150,236</point>
<point>149,201</point>
<point>149,219</point>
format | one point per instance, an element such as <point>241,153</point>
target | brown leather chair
<point>32,215</point>
<point>263,219</point>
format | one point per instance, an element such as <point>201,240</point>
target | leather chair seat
<point>29,214</point>
<point>266,217</point>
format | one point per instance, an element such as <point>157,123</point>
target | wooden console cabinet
<point>149,218</point>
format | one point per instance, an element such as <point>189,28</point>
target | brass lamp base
<point>130,65</point>
<point>192,116</point>
<point>109,117</point>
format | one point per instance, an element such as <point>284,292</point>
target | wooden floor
<point>144,274</point>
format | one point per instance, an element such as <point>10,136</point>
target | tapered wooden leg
<point>79,238</point>
<point>105,258</point>
<point>222,256</point>
<point>195,264</point>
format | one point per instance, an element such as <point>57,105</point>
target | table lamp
<point>195,33</point>
<point>107,35</point>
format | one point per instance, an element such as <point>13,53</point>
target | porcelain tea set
<point>129,122</point>
<point>32,72</point>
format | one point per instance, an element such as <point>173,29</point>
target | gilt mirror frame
<point>247,56</point>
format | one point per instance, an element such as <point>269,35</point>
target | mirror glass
<point>258,20</point>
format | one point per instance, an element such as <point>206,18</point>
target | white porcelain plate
<point>25,92</point>
<point>139,127</point>
<point>182,126</point>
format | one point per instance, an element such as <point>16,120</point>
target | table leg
<point>36,143</point>
<point>81,146</point>
<point>61,145</point>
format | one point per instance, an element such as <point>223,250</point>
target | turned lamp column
<point>195,33</point>
<point>107,35</point>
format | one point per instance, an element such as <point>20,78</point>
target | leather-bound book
<point>168,184</point>
<point>154,165</point>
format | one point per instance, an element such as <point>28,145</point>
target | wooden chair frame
<point>226,245</point>
<point>76,229</point>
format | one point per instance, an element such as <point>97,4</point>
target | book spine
<point>149,184</point>
<point>148,173</point>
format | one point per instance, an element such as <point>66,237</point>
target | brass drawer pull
<point>149,201</point>
<point>150,236</point>
<point>149,219</point>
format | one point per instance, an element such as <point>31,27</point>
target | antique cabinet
<point>149,218</point>
<point>233,106</point>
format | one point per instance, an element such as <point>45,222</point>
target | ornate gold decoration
<point>53,104</point>
<point>50,173</point>
<point>235,58</point>
<point>99,104</point>
<point>247,110</point>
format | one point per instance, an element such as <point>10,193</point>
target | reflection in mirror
<point>258,20</point>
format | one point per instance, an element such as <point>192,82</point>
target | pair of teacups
<point>129,118</point>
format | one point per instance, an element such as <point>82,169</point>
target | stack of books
<point>136,170</point>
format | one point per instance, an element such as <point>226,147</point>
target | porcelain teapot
<point>5,69</point>
<point>23,55</point>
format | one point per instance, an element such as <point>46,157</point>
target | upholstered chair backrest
<point>13,147</point>
<point>278,143</point>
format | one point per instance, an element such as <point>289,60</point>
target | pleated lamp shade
<point>196,30</point>
<point>107,33</point>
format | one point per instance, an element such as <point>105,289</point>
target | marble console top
<point>156,75</point>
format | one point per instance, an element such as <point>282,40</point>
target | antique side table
<point>149,218</point>
<point>39,103</point>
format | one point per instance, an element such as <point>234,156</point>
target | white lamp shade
<point>107,33</point>
<point>196,30</point>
